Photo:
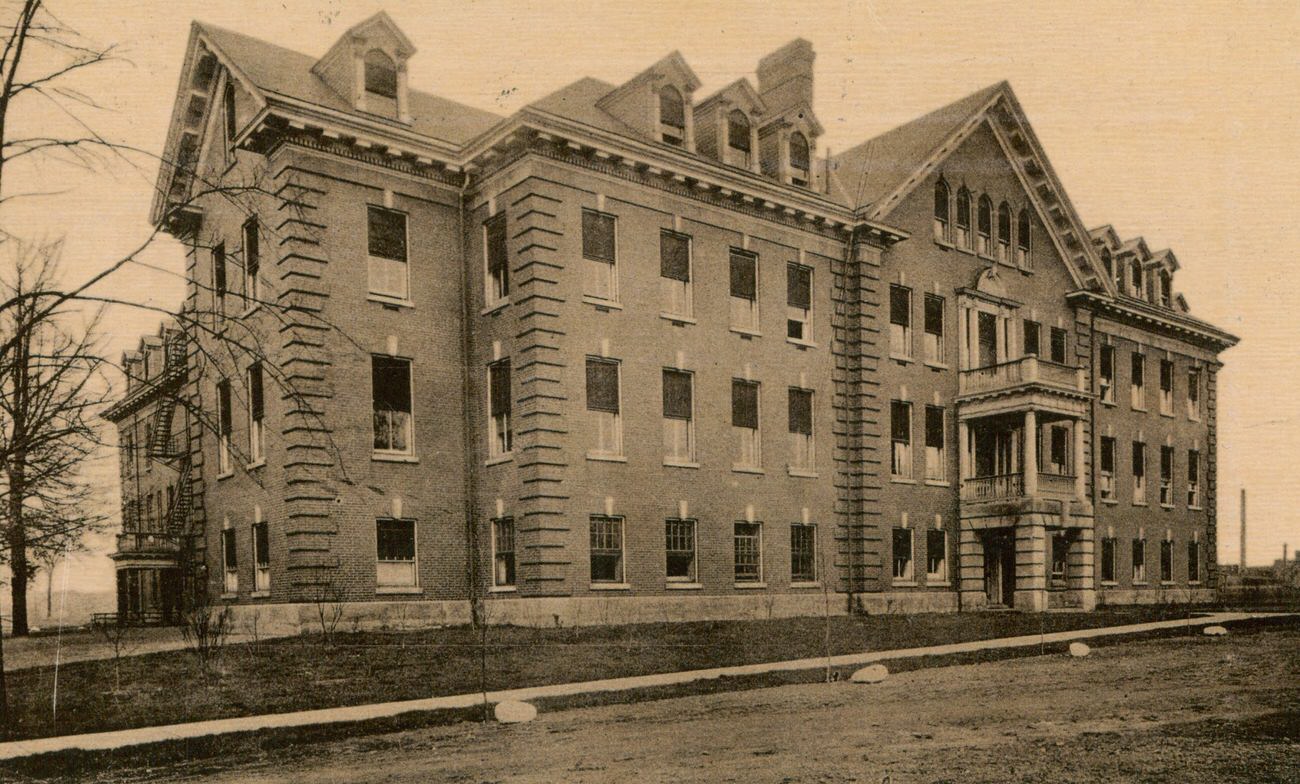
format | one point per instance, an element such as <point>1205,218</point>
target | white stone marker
<point>1215,631</point>
<point>872,673</point>
<point>1078,650</point>
<point>514,712</point>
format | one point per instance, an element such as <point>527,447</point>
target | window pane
<point>1139,458</point>
<point>387,234</point>
<point>255,401</point>
<point>228,545</point>
<point>395,540</point>
<point>597,236</point>
<point>935,551</point>
<point>223,408</point>
<point>381,74</point>
<point>219,269</point>
<point>672,109</point>
<point>803,557</point>
<point>677,394</point>
<point>602,385</point>
<point>934,427</point>
<point>800,411</point>
<point>744,403</point>
<point>738,130</point>
<point>499,381</point>
<point>1108,455</point>
<point>798,151</point>
<point>679,538</point>
<point>933,314</point>
<point>674,256</point>
<point>744,275</point>
<point>606,549</point>
<point>748,552</point>
<point>262,545</point>
<point>900,421</point>
<point>391,383</point>
<point>798,286</point>
<point>497,252</point>
<point>900,305</point>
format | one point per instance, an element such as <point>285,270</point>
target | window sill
<point>1193,582</point>
<point>676,318</point>
<point>503,589</point>
<point>610,587</point>
<point>225,475</point>
<point>1140,583</point>
<point>749,586</point>
<point>260,595</point>
<point>899,480</point>
<point>383,457</point>
<point>1168,414</point>
<point>901,358</point>
<point>938,483</point>
<point>1167,583</point>
<point>228,596</point>
<point>1140,503</point>
<point>499,459</point>
<point>1142,409</point>
<point>1195,508</point>
<point>945,244</point>
<point>601,303</point>
<point>605,458</point>
<point>680,464</point>
<point>740,469</point>
<point>255,464</point>
<point>670,586</point>
<point>803,344</point>
<point>1194,419</point>
<point>1110,501</point>
<point>746,333</point>
<point>903,584</point>
<point>1109,584</point>
<point>495,307</point>
<point>395,590</point>
<point>250,311</point>
<point>936,581</point>
<point>801,473</point>
<point>805,585</point>
<point>1166,506</point>
<point>388,301</point>
<point>937,365</point>
<point>1110,403</point>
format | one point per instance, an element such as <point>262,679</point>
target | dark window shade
<point>744,403</point>
<point>672,109</point>
<point>232,125</point>
<point>744,275</point>
<point>1058,445</point>
<point>738,130</point>
<point>1194,384</point>
<point>677,394</point>
<point>395,540</point>
<point>985,216</point>
<point>497,254</point>
<point>223,408</point>
<point>499,380</point>
<point>381,75</point>
<point>1166,374</point>
<point>219,269</point>
<point>1138,368</point>
<point>1193,466</point>
<point>602,385</point>
<point>933,314</point>
<point>1031,338</point>
<point>252,253</point>
<point>798,282</point>
<point>1166,462</point>
<point>255,401</point>
<point>386,233</point>
<point>597,236</point>
<point>230,553</point>
<point>798,151</point>
<point>261,545</point>
<point>963,208</point>
<point>900,305</point>
<point>1107,362</point>
<point>1022,230</point>
<point>941,200</point>
<point>674,256</point>
<point>934,427</point>
<point>900,421</point>
<point>390,383</point>
<point>801,411</point>
<point>1004,224</point>
<point>1058,344</point>
<point>1107,455</point>
<point>1139,458</point>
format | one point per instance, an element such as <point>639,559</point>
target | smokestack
<point>785,77</point>
<point>1243,530</point>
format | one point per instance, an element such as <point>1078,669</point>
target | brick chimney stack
<point>785,77</point>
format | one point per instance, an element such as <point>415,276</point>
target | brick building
<point>636,353</point>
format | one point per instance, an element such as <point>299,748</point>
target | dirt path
<point>1197,710</point>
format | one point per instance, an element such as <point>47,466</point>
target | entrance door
<point>1000,568</point>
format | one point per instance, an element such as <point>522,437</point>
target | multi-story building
<point>633,353</point>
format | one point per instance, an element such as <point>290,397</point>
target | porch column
<point>963,453</point>
<point>1079,479</point>
<point>1030,466</point>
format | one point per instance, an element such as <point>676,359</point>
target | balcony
<point>1025,371</point>
<point>136,545</point>
<point>1011,487</point>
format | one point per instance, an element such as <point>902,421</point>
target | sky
<point>1175,121</point>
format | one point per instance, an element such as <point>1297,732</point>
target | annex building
<point>638,353</point>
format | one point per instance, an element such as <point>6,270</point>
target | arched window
<point>1135,279</point>
<point>985,225</point>
<point>381,74</point>
<point>1024,239</point>
<point>228,105</point>
<point>672,116</point>
<point>1004,232</point>
<point>963,217</point>
<point>1108,263</point>
<point>800,169</point>
<point>1166,288</point>
<point>738,140</point>
<point>941,210</point>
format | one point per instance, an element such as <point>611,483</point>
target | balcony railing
<point>147,542</point>
<point>1026,370</point>
<point>993,488</point>
<point>1056,485</point>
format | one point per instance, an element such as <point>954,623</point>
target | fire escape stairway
<point>179,514</point>
<point>161,443</point>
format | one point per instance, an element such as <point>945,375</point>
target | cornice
<point>1147,316</point>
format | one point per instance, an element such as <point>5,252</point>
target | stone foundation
<point>1176,595</point>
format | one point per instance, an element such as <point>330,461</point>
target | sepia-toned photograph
<point>865,391</point>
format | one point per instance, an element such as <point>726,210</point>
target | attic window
<point>228,104</point>
<point>738,140</point>
<point>1135,279</point>
<point>1166,289</point>
<point>799,167</point>
<point>381,75</point>
<point>672,117</point>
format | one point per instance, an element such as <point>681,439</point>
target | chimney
<point>785,77</point>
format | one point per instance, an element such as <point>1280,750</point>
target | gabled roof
<point>386,26</point>
<point>671,64</point>
<point>578,102</point>
<point>738,91</point>
<point>798,113</point>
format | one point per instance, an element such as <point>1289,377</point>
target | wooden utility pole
<point>1243,532</point>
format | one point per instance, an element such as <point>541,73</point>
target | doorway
<point>1000,567</point>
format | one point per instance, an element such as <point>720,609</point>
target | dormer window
<point>800,169</point>
<point>739,143</point>
<point>1166,288</point>
<point>672,117</point>
<point>1135,279</point>
<point>381,83</point>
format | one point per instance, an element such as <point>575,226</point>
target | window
<point>1139,472</point>
<point>803,553</point>
<point>900,321</point>
<point>744,423</point>
<point>902,554</point>
<point>679,420</point>
<point>390,388</point>
<point>501,436</point>
<point>900,437</point>
<point>252,264</point>
<point>738,139</point>
<point>600,279</point>
<point>1004,233</point>
<point>1137,382</point>
<point>744,291</point>
<point>1060,556</point>
<point>1194,393</point>
<point>256,412</point>
<point>386,249</point>
<point>679,544</point>
<point>942,210</point>
<point>748,547</point>
<point>1167,561</point>
<point>219,278</point>
<point>381,75</point>
<point>261,558</point>
<point>675,273</point>
<point>1108,560</point>
<point>503,552</point>
<point>1058,449</point>
<point>802,452</point>
<point>800,168</point>
<point>497,284</point>
<point>1023,241</point>
<point>224,422</point>
<point>1139,560</point>
<point>985,226</point>
<point>1166,289</point>
<point>1166,387</point>
<point>1058,345</point>
<point>798,300</point>
<point>603,403</point>
<point>963,218</point>
<point>1166,476</point>
<point>1135,279</point>
<point>230,560</point>
<point>1194,478</point>
<point>395,553</point>
<point>936,555</point>
<point>1193,562</point>
<point>148,512</point>
<point>1107,484</point>
<point>1106,376</point>
<point>935,463</point>
<point>672,117</point>
<point>934,329</point>
<point>231,118</point>
<point>606,549</point>
<point>1031,334</point>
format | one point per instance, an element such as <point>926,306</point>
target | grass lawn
<point>307,672</point>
